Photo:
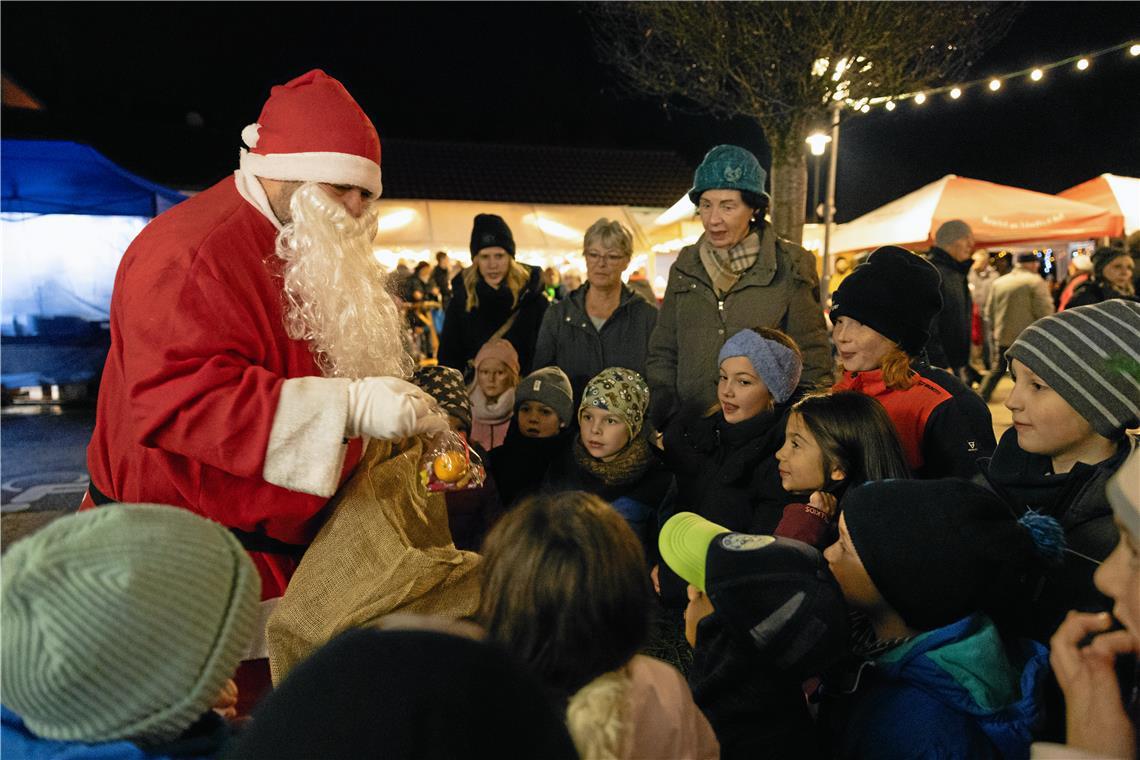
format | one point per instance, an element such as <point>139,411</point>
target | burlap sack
<point>385,547</point>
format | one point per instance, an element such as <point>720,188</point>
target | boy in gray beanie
<point>1076,393</point>
<point>122,626</point>
<point>538,433</point>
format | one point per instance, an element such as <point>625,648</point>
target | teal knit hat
<point>728,167</point>
<point>123,622</point>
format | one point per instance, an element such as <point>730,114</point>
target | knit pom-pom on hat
<point>1047,534</point>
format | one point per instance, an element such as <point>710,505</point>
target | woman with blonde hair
<point>603,323</point>
<point>882,314</point>
<point>495,297</point>
<point>565,589</point>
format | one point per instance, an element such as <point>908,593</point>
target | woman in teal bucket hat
<point>739,274</point>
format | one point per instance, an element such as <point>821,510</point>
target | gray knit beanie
<point>549,386</point>
<point>1090,355</point>
<point>123,623</point>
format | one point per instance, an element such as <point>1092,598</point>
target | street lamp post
<point>818,141</point>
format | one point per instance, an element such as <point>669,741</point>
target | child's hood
<point>969,668</point>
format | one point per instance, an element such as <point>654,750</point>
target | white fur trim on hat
<point>333,168</point>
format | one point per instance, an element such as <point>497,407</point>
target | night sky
<point>165,88</point>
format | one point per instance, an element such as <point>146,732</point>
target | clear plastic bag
<point>450,464</point>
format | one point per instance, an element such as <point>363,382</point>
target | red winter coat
<point>198,357</point>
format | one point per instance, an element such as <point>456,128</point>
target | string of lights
<point>1035,74</point>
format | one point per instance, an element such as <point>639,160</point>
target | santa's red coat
<point>197,361</point>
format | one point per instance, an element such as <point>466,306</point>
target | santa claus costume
<point>207,402</point>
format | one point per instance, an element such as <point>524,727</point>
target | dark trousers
<point>994,376</point>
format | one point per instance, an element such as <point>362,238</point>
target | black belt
<point>251,542</point>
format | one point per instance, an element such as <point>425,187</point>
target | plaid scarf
<point>725,265</point>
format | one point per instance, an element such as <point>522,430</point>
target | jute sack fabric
<point>385,547</point>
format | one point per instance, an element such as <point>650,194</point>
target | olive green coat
<point>781,290</point>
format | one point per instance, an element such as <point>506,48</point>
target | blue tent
<point>59,177</point>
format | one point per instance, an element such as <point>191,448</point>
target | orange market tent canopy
<point>1120,195</point>
<point>998,215</point>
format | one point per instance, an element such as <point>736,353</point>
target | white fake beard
<point>335,291</point>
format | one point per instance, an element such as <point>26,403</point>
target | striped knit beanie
<point>1090,355</point>
<point>123,623</point>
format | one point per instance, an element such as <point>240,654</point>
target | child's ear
<point>837,474</point>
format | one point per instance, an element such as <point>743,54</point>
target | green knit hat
<point>728,167</point>
<point>123,623</point>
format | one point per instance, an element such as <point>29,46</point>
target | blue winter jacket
<point>19,743</point>
<point>954,692</point>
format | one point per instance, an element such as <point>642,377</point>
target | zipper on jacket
<point>720,310</point>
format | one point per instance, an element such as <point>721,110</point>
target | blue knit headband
<point>776,364</point>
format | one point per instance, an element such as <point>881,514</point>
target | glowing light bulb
<point>920,98</point>
<point>890,106</point>
<point>1134,50</point>
<point>866,108</point>
<point>1083,64</point>
<point>1036,75</point>
<point>995,85</point>
<point>956,93</point>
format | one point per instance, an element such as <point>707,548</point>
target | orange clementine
<point>450,466</point>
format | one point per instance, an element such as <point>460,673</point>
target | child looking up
<point>470,511</point>
<point>539,432</point>
<point>611,457</point>
<point>566,591</point>
<point>1076,392</point>
<point>927,562</point>
<point>833,443</point>
<point>764,614</point>
<point>493,393</point>
<point>882,314</point>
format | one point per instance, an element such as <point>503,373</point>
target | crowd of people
<point>712,526</point>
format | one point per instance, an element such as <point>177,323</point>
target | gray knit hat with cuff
<point>123,623</point>
<point>549,386</point>
<point>1090,355</point>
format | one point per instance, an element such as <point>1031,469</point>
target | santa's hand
<point>390,409</point>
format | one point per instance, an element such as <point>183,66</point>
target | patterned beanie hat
<point>1090,355</point>
<point>776,364</point>
<point>445,385</point>
<point>549,386</point>
<point>620,391</point>
<point>123,622</point>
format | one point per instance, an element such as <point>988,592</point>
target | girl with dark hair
<point>566,591</point>
<point>833,443</point>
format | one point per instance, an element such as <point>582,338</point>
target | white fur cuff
<point>306,443</point>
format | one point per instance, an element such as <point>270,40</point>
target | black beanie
<point>490,231</point>
<point>403,694</point>
<point>896,293</point>
<point>939,550</point>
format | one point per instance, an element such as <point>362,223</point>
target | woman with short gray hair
<point>603,323</point>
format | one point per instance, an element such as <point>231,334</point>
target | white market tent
<point>997,214</point>
<point>1113,192</point>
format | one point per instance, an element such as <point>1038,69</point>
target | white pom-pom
<point>249,135</point>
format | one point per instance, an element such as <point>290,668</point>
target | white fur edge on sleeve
<point>306,443</point>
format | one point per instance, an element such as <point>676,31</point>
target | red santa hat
<point>311,130</point>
